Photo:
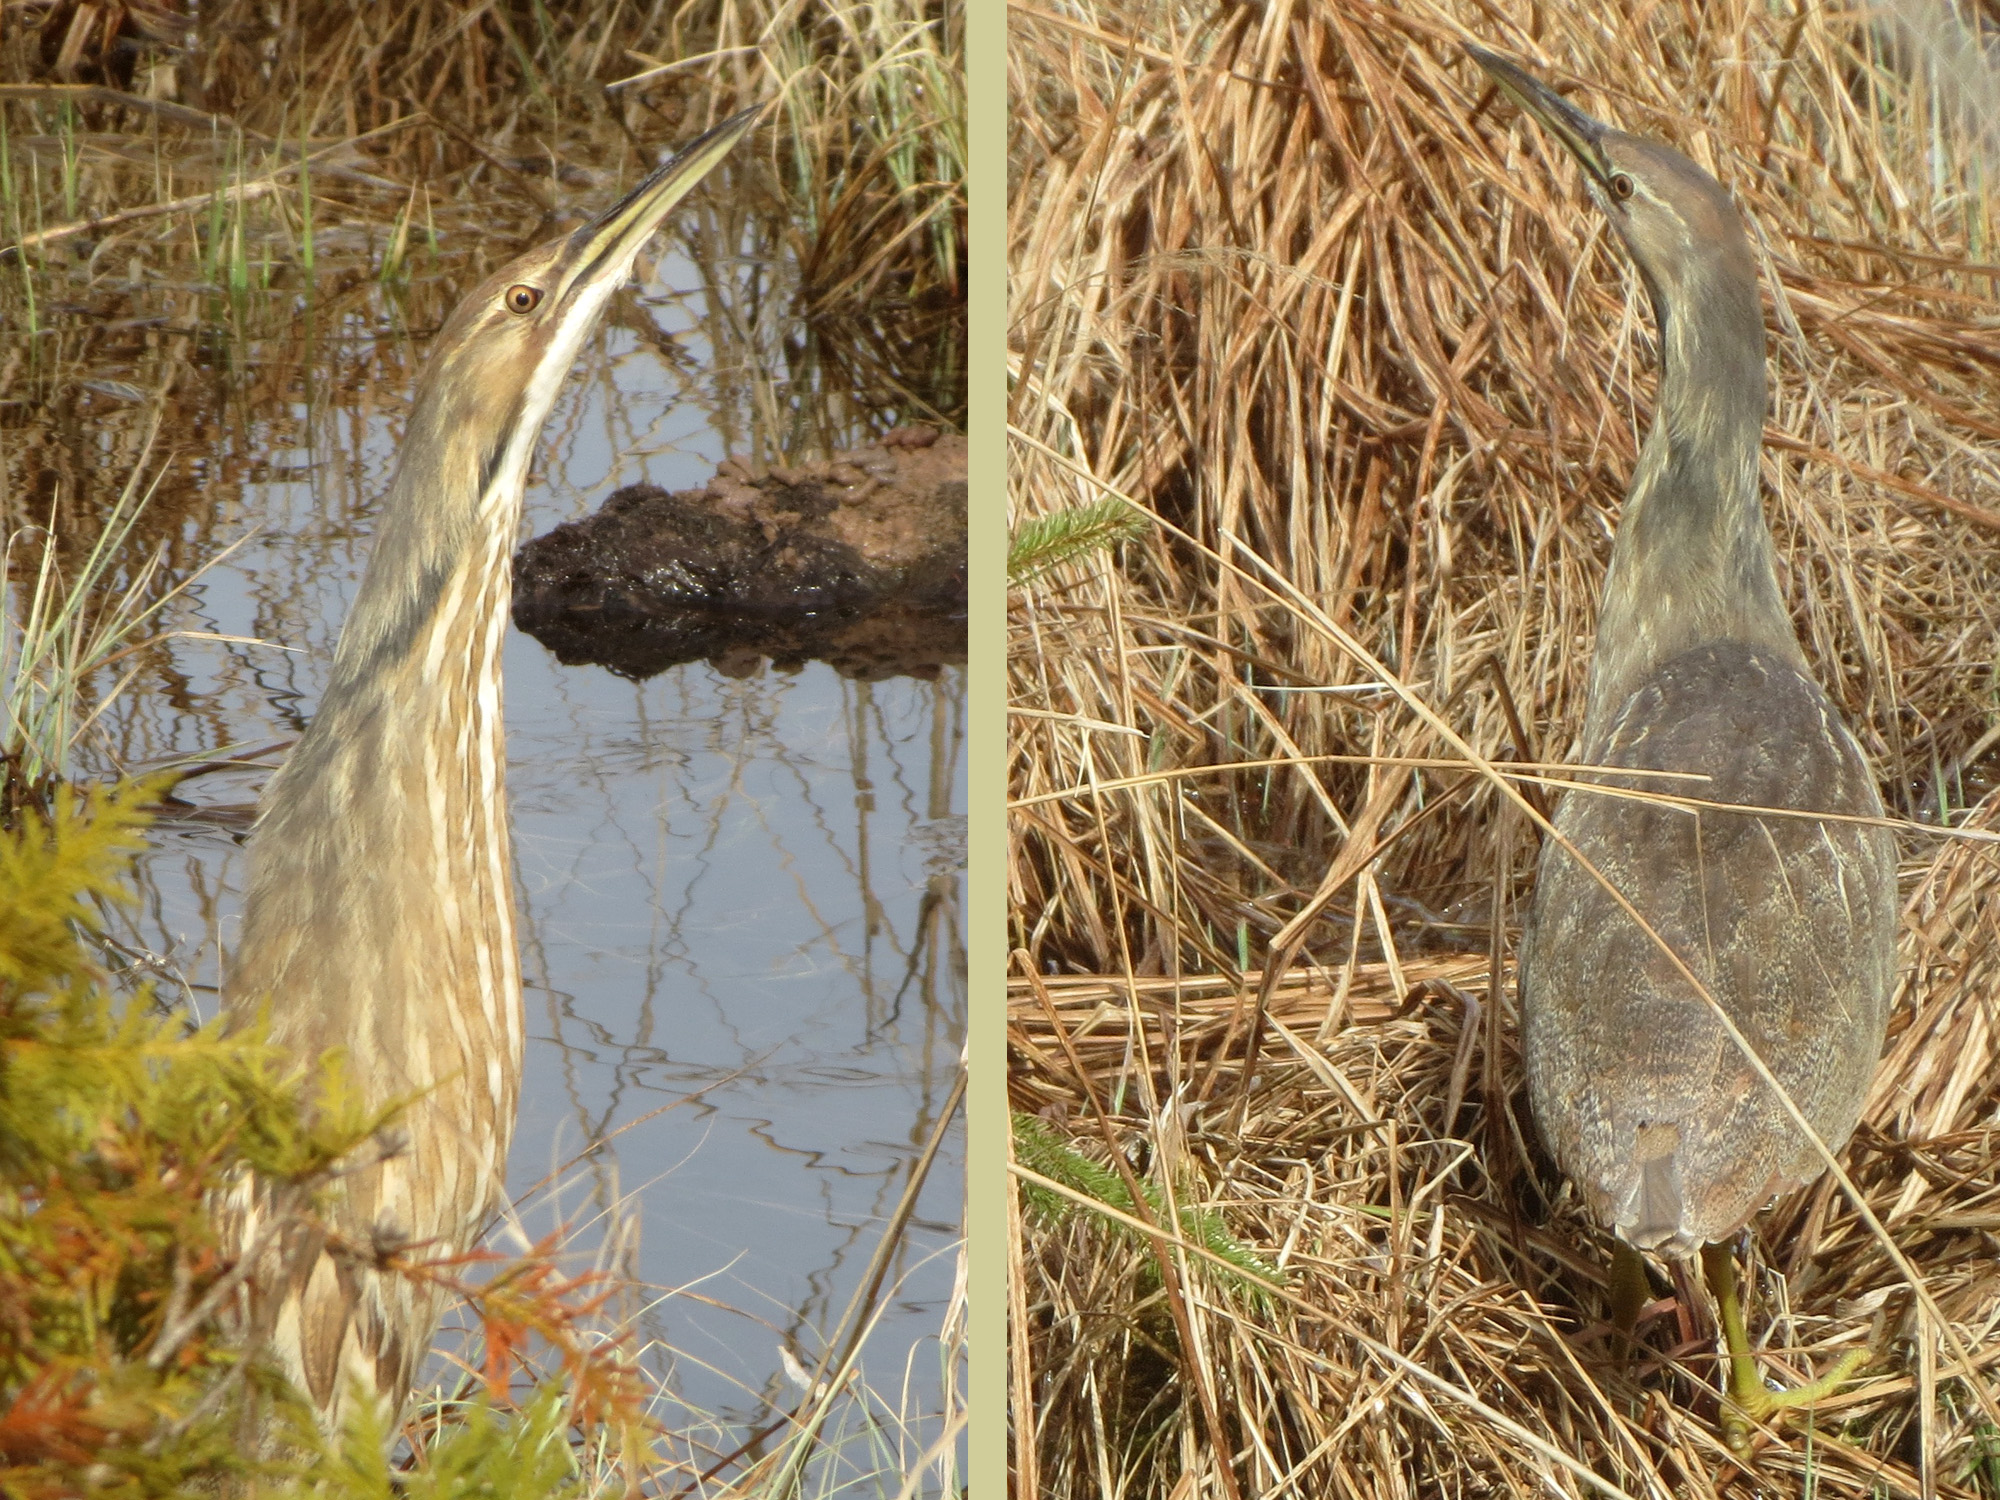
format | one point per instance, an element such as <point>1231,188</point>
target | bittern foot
<point>1749,1401</point>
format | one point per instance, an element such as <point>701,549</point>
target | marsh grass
<point>72,638</point>
<point>51,645</point>
<point>304,146</point>
<point>1293,284</point>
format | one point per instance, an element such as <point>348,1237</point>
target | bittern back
<point>379,918</point>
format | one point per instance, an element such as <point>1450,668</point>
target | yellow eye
<point>1621,189</point>
<point>522,298</point>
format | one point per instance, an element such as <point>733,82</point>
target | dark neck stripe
<point>496,455</point>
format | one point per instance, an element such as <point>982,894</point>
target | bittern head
<point>1678,222</point>
<point>492,376</point>
<point>499,360</point>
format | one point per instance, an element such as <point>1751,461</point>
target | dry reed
<point>1296,284</point>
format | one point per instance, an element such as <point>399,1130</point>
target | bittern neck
<point>1693,559</point>
<point>379,915</point>
<point>454,505</point>
<point>380,880</point>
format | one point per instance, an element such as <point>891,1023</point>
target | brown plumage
<point>379,918</point>
<point>1647,1103</point>
<point>1644,1100</point>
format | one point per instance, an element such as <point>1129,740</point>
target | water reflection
<point>741,900</point>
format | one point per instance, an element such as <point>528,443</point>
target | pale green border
<point>986,751</point>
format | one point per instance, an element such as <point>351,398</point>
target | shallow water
<point>739,898</point>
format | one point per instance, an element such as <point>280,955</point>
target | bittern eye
<point>522,298</point>
<point>1621,189</point>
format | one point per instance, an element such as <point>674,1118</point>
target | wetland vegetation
<point>224,241</point>
<point>1290,284</point>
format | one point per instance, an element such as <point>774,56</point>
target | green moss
<point>1040,1150</point>
<point>1047,541</point>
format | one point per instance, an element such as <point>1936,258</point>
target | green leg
<point>1748,1400</point>
<point>1630,1291</point>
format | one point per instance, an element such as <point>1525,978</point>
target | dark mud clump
<point>858,561</point>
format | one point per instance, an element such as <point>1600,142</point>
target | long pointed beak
<point>608,244</point>
<point>1583,135</point>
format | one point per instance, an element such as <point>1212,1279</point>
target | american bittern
<point>1646,1102</point>
<point>380,914</point>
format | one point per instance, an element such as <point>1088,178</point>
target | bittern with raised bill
<point>380,915</point>
<point>1783,922</point>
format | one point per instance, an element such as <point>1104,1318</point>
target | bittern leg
<point>1630,1292</point>
<point>1749,1400</point>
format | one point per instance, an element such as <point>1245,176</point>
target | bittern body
<point>379,918</point>
<point>1785,925</point>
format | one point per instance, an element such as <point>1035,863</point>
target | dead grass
<point>1292,281</point>
<point>870,155</point>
